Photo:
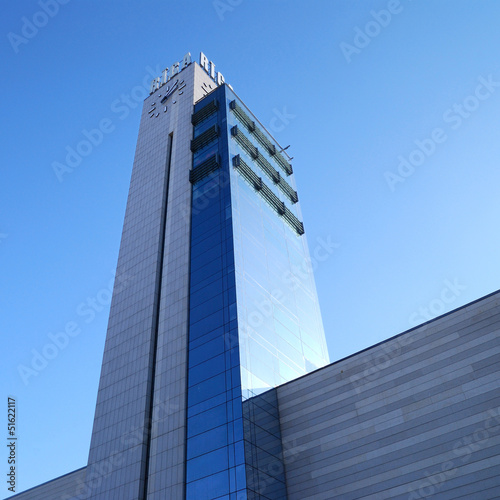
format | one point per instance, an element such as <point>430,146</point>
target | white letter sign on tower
<point>209,67</point>
<point>170,71</point>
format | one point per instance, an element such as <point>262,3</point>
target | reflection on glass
<point>254,323</point>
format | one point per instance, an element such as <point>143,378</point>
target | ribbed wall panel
<point>413,417</point>
<point>62,488</point>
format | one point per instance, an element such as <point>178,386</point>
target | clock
<point>169,92</point>
<point>206,88</point>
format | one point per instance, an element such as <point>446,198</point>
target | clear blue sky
<point>429,74</point>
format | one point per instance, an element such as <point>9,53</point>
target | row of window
<point>205,138</point>
<point>260,136</point>
<point>204,112</point>
<point>268,195</point>
<point>273,174</point>
<point>205,168</point>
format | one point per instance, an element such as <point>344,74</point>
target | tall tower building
<point>213,304</point>
<point>205,391</point>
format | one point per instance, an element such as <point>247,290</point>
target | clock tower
<point>219,310</point>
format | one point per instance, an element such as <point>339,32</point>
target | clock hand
<point>170,91</point>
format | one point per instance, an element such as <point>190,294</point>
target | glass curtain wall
<point>254,316</point>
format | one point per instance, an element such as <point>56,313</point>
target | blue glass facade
<point>215,466</point>
<point>280,329</point>
<point>254,320</point>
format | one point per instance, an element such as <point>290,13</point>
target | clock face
<point>206,88</point>
<point>170,90</point>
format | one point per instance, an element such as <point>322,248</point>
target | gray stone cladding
<point>147,329</point>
